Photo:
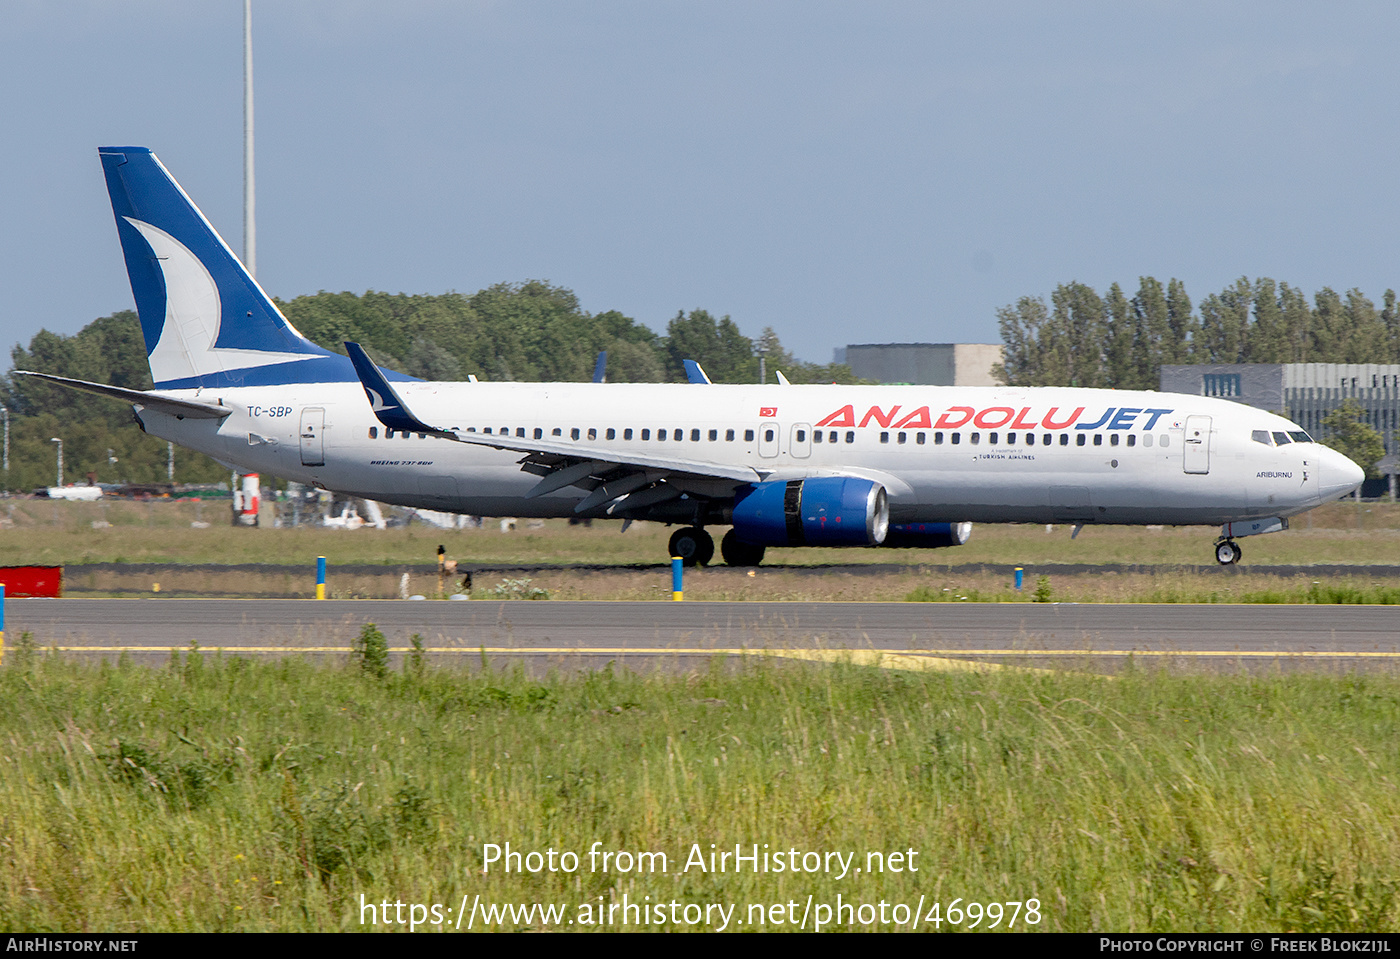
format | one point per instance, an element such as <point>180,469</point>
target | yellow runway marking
<point>892,659</point>
<point>922,660</point>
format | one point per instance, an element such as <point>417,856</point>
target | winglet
<point>693,372</point>
<point>600,369</point>
<point>387,405</point>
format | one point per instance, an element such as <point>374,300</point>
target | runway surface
<point>585,634</point>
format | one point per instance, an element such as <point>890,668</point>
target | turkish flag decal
<point>768,411</point>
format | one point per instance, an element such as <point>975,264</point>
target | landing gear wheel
<point>1228,552</point>
<point>738,553</point>
<point>693,545</point>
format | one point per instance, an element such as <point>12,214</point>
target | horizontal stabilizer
<point>191,409</point>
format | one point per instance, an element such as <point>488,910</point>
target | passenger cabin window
<point>695,436</point>
<point>592,433</point>
<point>1098,439</point>
<point>1147,439</point>
<point>991,438</point>
<point>817,436</point>
<point>374,432</point>
<point>729,436</point>
<point>802,436</point>
<point>975,438</point>
<point>555,432</point>
<point>714,435</point>
<point>937,439</point>
<point>919,438</point>
<point>539,433</point>
<point>748,436</point>
<point>955,439</point>
<point>1112,439</point>
<point>903,438</point>
<point>646,434</point>
<point>1164,441</point>
<point>1030,439</point>
<point>768,436</point>
<point>1132,439</point>
<point>884,437</point>
<point>1080,438</point>
<point>573,433</point>
<point>850,436</point>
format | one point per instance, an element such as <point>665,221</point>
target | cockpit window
<point>1282,439</point>
<point>1262,436</point>
<point>1299,436</point>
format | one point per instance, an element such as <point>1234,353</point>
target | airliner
<point>780,465</point>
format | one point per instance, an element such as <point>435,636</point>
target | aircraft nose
<point>1338,475</point>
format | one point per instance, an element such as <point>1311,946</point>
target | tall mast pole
<point>250,245</point>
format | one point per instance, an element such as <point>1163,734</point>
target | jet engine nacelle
<point>824,511</point>
<point>927,535</point>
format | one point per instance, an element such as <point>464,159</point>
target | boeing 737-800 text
<point>781,465</point>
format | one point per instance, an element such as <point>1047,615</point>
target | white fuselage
<point>944,454</point>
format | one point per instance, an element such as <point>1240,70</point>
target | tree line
<point>1083,339</point>
<point>531,331</point>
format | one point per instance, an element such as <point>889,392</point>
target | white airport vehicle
<point>781,465</point>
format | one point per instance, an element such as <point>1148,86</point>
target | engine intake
<point>824,511</point>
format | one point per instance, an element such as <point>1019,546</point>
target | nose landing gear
<point>1227,552</point>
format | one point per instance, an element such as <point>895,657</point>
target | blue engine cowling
<point>824,511</point>
<point>927,535</point>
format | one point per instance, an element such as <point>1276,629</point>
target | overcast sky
<point>845,173</point>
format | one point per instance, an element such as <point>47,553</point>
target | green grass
<point>223,794</point>
<point>1143,588</point>
<point>46,532</point>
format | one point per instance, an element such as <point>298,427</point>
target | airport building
<point>927,364</point>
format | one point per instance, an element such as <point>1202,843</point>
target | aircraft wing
<point>633,477</point>
<point>175,406</point>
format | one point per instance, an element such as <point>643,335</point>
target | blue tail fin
<point>206,322</point>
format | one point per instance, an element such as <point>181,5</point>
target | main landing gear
<point>738,553</point>
<point>1227,552</point>
<point>693,545</point>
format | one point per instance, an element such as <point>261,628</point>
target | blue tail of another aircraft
<point>205,321</point>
